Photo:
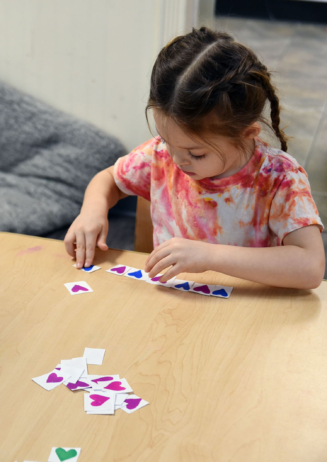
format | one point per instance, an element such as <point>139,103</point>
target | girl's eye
<point>197,157</point>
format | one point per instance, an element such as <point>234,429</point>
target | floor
<point>297,55</point>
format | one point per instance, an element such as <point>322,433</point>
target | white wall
<point>90,58</point>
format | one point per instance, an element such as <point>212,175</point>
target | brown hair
<point>207,73</point>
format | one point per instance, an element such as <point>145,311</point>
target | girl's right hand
<point>87,230</point>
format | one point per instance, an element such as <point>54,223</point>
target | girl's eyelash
<point>197,157</point>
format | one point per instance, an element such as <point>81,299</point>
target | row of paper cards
<point>139,274</point>
<point>106,393</point>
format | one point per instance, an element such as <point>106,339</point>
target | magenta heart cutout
<point>156,279</point>
<point>73,386</point>
<point>115,386</point>
<point>132,403</point>
<point>98,400</point>
<point>53,378</point>
<point>102,379</point>
<point>77,288</point>
<point>118,270</point>
<point>205,289</point>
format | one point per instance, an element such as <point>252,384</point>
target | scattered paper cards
<point>105,393</point>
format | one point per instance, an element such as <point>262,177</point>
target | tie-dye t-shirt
<point>256,207</point>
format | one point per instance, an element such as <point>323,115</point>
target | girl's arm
<point>299,263</point>
<point>90,228</point>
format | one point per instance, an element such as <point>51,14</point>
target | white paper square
<point>99,403</point>
<point>119,270</point>
<point>158,283</point>
<point>118,386</point>
<point>94,355</point>
<point>90,269</point>
<point>51,380</point>
<point>53,457</point>
<point>133,403</point>
<point>136,273</point>
<point>76,288</point>
<point>81,384</point>
<point>203,289</point>
<point>76,367</point>
<point>120,398</point>
<point>180,284</point>
<point>221,291</point>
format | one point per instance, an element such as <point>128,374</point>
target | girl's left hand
<point>183,255</point>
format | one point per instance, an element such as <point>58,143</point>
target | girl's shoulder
<point>275,161</point>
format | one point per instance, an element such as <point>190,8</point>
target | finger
<point>80,250</point>
<point>172,272</point>
<point>161,265</point>
<point>159,255</point>
<point>149,262</point>
<point>69,242</point>
<point>90,239</point>
<point>101,243</point>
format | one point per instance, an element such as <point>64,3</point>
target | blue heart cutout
<point>136,274</point>
<point>88,268</point>
<point>185,286</point>
<point>221,292</point>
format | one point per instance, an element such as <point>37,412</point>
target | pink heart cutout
<point>116,386</point>
<point>118,270</point>
<point>132,403</point>
<point>77,288</point>
<point>205,289</point>
<point>98,400</point>
<point>53,378</point>
<point>102,379</point>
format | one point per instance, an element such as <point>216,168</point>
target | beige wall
<point>91,58</point>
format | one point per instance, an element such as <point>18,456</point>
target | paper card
<point>119,270</point>
<point>94,355</point>
<point>135,273</point>
<point>76,288</point>
<point>221,291</point>
<point>118,386</point>
<point>63,454</point>
<point>89,269</point>
<point>51,380</point>
<point>99,403</point>
<point>119,399</point>
<point>203,289</point>
<point>76,367</point>
<point>99,381</point>
<point>81,384</point>
<point>182,285</point>
<point>133,403</point>
<point>156,281</point>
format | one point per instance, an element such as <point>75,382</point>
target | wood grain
<point>242,380</point>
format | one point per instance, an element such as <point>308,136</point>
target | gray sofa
<point>47,158</point>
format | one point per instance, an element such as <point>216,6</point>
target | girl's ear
<point>252,131</point>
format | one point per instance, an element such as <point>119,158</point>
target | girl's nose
<point>180,160</point>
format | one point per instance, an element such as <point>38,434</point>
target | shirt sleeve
<point>293,206</point>
<point>132,173</point>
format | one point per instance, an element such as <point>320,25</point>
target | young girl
<point>221,198</point>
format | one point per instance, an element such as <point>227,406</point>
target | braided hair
<point>207,73</point>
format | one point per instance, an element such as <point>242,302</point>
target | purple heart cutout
<point>53,378</point>
<point>78,384</point>
<point>98,400</point>
<point>102,379</point>
<point>132,403</point>
<point>118,270</point>
<point>77,288</point>
<point>205,289</point>
<point>155,279</point>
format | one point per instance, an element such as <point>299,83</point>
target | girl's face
<point>198,159</point>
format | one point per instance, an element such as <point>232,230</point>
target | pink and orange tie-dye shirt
<point>256,207</point>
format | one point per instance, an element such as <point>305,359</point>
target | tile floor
<point>297,55</point>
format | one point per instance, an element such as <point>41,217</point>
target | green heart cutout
<point>65,455</point>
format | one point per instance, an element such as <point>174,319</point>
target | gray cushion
<point>47,158</point>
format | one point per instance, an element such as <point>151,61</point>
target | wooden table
<point>237,380</point>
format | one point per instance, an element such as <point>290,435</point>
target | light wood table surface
<point>242,379</point>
